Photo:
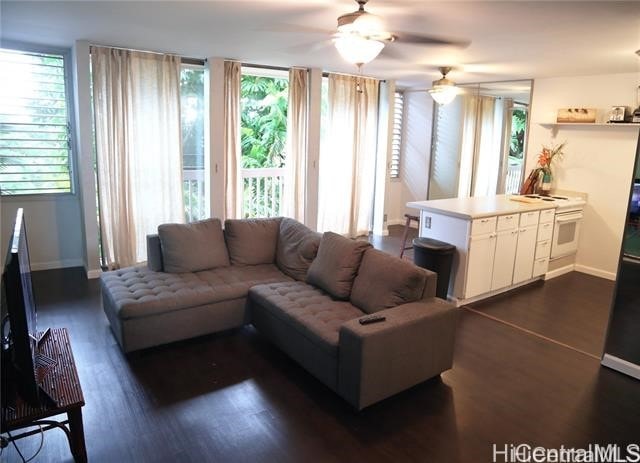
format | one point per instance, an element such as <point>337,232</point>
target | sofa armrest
<point>430,285</point>
<point>413,344</point>
<point>154,254</point>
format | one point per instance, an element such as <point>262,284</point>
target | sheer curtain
<point>136,99</point>
<point>347,156</point>
<point>232,150</point>
<point>296,154</point>
<point>483,133</point>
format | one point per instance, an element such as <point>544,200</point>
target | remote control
<point>372,319</point>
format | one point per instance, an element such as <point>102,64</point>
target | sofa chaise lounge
<point>305,292</point>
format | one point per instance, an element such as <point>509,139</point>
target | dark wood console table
<point>62,384</point>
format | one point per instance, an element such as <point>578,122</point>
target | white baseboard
<point>559,271</point>
<point>621,365</point>
<point>36,266</point>
<point>596,272</point>
<point>92,274</point>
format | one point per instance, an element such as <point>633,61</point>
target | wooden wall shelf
<point>587,124</point>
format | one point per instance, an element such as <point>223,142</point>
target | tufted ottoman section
<point>304,321</point>
<point>136,292</point>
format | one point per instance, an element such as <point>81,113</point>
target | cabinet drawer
<point>547,215</point>
<point>507,222</point>
<point>540,266</point>
<point>543,249</point>
<point>483,226</point>
<point>545,231</point>
<point>529,218</point>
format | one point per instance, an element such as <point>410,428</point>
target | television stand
<point>62,384</point>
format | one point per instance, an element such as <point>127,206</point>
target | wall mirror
<point>479,140</point>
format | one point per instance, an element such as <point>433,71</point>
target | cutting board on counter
<point>524,199</point>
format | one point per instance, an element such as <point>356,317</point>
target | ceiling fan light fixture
<point>443,91</point>
<point>356,49</point>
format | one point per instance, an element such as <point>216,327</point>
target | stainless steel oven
<point>566,233</point>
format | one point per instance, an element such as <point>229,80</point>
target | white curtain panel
<point>232,150</point>
<point>296,152</point>
<point>468,144</point>
<point>136,99</point>
<point>488,147</point>
<point>347,156</point>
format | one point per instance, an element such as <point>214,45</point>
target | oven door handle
<point>569,217</point>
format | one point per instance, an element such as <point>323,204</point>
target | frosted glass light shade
<point>356,49</point>
<point>443,94</point>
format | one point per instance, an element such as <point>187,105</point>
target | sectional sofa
<point>305,292</point>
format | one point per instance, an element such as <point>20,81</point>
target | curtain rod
<point>183,59</point>
<point>201,62</point>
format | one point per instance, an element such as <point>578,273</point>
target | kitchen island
<point>500,243</point>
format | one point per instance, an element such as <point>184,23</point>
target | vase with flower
<point>541,177</point>
<point>545,158</point>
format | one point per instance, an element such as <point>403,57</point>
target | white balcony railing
<point>514,178</point>
<point>262,192</point>
<point>193,190</point>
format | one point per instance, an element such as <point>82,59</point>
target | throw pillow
<point>193,247</point>
<point>297,247</point>
<point>385,281</point>
<point>252,241</point>
<point>336,264</point>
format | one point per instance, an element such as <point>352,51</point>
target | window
<point>263,136</point>
<point>396,139</point>
<point>35,135</point>
<point>192,125</point>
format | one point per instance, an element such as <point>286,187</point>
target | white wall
<point>599,160</point>
<point>54,229</point>
<point>414,162</point>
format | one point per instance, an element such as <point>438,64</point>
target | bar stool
<point>409,218</point>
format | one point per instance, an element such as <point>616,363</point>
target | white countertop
<point>476,207</point>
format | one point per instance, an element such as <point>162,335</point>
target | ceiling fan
<point>361,36</point>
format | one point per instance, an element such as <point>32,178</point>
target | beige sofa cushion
<point>385,281</point>
<point>297,247</point>
<point>336,264</point>
<point>192,247</point>
<point>252,241</point>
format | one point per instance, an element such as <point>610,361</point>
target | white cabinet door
<point>525,253</point>
<point>481,253</point>
<point>505,255</point>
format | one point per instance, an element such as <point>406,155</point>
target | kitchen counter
<point>477,207</point>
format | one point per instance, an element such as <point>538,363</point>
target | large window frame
<point>65,53</point>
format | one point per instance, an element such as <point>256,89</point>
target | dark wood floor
<point>572,309</point>
<point>234,397</point>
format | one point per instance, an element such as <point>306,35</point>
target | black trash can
<point>436,256</point>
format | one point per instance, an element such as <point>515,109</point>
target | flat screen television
<point>22,353</point>
<point>634,208</point>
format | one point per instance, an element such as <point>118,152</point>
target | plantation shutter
<point>34,127</point>
<point>396,140</point>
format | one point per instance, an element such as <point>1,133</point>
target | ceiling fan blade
<point>406,37</point>
<point>391,52</point>
<point>296,29</point>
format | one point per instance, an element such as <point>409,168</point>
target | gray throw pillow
<point>336,264</point>
<point>252,241</point>
<point>385,281</point>
<point>297,247</point>
<point>193,247</point>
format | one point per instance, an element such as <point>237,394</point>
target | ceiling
<point>509,40</point>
